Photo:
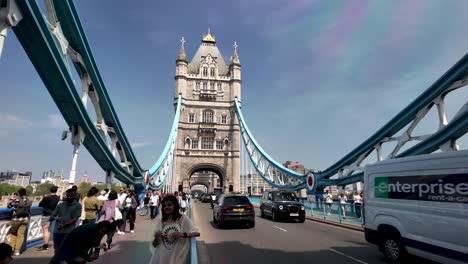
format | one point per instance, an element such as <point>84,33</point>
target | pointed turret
<point>181,69</point>
<point>235,56</point>
<point>235,73</point>
<point>182,56</point>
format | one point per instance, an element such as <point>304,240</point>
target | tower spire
<point>208,37</point>
<point>235,56</point>
<point>182,55</point>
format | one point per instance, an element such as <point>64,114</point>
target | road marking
<point>281,228</point>
<point>348,256</point>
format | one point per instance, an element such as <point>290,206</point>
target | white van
<point>418,205</point>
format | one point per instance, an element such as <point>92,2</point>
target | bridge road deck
<point>128,248</point>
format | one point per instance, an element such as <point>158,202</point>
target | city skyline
<point>318,77</point>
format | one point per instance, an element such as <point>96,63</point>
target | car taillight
<point>249,207</point>
<point>226,207</point>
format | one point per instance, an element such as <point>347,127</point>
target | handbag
<point>117,214</point>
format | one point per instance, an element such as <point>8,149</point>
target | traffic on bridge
<point>170,169</point>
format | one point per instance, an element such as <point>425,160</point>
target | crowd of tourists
<point>82,222</point>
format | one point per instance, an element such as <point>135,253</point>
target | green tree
<point>83,188</point>
<point>29,190</point>
<point>7,189</point>
<point>43,189</point>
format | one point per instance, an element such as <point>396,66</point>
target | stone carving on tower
<point>208,137</point>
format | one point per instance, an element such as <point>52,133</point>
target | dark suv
<point>282,204</point>
<point>233,208</point>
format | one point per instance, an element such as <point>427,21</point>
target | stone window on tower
<point>205,71</point>
<point>220,87</point>
<point>205,86</point>
<point>207,142</point>
<point>212,87</point>
<point>208,117</point>
<point>191,118</point>
<point>197,86</point>
<point>223,119</point>
<point>194,143</point>
<point>212,72</point>
<point>219,144</point>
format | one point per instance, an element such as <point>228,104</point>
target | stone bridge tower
<point>208,136</point>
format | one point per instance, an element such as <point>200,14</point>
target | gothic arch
<point>208,167</point>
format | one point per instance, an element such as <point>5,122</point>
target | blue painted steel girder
<point>73,31</point>
<point>457,72</point>
<point>39,44</point>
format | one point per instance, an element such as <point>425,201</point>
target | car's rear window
<point>284,196</point>
<point>236,200</point>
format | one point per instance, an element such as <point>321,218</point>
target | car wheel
<point>274,216</point>
<point>262,213</point>
<point>220,225</point>
<point>393,249</point>
<point>302,220</point>
<point>252,224</point>
<point>214,219</point>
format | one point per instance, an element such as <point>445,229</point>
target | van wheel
<point>393,249</point>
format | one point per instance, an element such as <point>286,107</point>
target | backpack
<point>23,207</point>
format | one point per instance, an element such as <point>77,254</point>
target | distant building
<point>16,178</point>
<point>253,183</point>
<point>85,178</point>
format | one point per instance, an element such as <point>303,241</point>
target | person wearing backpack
<point>48,204</point>
<point>21,212</point>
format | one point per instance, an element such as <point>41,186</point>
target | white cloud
<point>56,121</point>
<point>141,144</point>
<point>8,121</point>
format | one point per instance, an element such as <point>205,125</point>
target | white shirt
<point>102,198</point>
<point>122,197</point>
<point>154,200</point>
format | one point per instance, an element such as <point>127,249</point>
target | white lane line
<point>281,228</point>
<point>348,256</point>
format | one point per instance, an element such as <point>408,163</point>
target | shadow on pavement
<point>247,254</point>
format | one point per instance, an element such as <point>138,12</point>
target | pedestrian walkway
<point>128,248</point>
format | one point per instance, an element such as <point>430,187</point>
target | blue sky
<point>319,77</point>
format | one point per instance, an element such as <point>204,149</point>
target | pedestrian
<point>121,196</point>
<point>21,206</point>
<point>129,212</point>
<point>82,244</point>
<point>357,204</point>
<point>154,205</point>
<point>111,212</point>
<point>91,205</point>
<point>171,241</point>
<point>6,253</point>
<point>77,194</point>
<point>328,201</point>
<point>103,195</point>
<point>343,199</point>
<point>146,208</point>
<point>48,204</point>
<point>183,203</point>
<point>66,214</point>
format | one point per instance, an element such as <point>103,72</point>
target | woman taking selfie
<point>171,239</point>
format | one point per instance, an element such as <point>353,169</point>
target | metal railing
<point>33,234</point>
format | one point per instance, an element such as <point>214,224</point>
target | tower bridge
<point>210,143</point>
<point>208,127</point>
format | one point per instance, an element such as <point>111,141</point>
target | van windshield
<point>284,196</point>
